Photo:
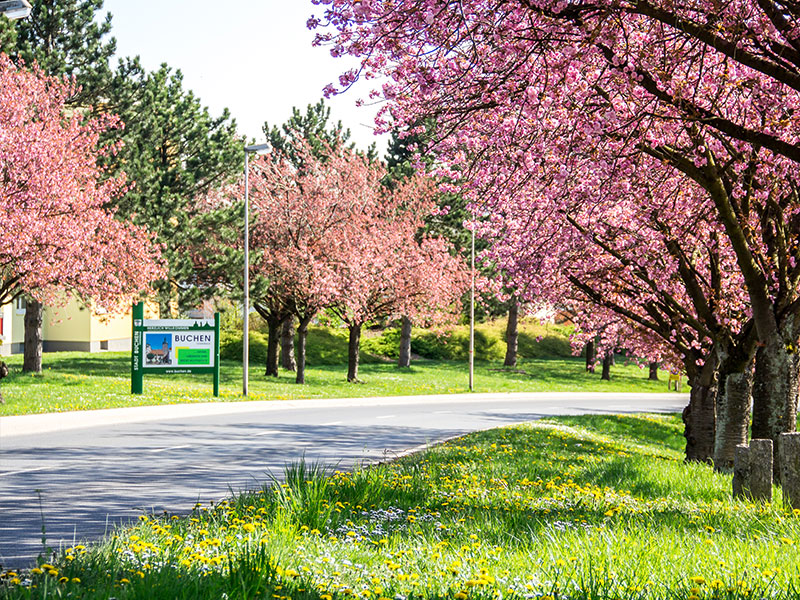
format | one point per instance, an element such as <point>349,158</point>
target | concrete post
<point>789,449</point>
<point>741,472</point>
<point>761,470</point>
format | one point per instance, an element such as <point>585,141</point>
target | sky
<point>252,56</point>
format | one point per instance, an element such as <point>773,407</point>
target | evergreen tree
<point>315,127</point>
<point>174,151</point>
<point>65,38</point>
<point>8,35</point>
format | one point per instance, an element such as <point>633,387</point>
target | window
<point>19,305</point>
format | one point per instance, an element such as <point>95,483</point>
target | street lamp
<point>248,150</point>
<point>472,315</point>
<point>15,9</point>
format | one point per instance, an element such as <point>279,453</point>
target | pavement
<point>63,421</point>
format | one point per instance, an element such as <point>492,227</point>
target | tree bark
<point>607,366</point>
<point>287,344</point>
<point>733,418</point>
<point>775,393</point>
<point>302,333</point>
<point>591,356</point>
<point>32,360</point>
<point>404,359</point>
<point>273,341</point>
<point>512,334</point>
<point>653,371</point>
<point>699,418</point>
<point>353,353</point>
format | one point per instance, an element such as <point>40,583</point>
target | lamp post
<point>15,9</point>
<point>472,316</point>
<point>248,150</point>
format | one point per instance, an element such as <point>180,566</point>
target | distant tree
<point>313,130</point>
<point>388,271</point>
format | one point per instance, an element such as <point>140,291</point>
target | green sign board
<point>173,346</point>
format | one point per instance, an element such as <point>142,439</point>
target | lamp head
<point>257,149</point>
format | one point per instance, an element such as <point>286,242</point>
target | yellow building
<point>77,326</point>
<point>74,326</point>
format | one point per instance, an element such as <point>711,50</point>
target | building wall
<point>13,329</point>
<point>72,327</point>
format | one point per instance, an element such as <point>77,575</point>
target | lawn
<point>82,381</point>
<point>577,507</point>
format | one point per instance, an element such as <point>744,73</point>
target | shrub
<point>549,346</point>
<point>230,346</point>
<point>386,344</point>
<point>454,345</point>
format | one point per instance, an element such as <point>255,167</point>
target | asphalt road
<point>80,474</point>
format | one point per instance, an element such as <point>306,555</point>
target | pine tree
<point>174,151</point>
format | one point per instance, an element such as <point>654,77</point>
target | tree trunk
<point>512,334</point>
<point>273,341</point>
<point>733,417</point>
<point>405,343</point>
<point>32,361</point>
<point>653,371</point>
<point>353,350</point>
<point>302,332</point>
<point>699,419</point>
<point>3,374</point>
<point>775,392</point>
<point>591,356</point>
<point>287,344</point>
<point>607,366</point>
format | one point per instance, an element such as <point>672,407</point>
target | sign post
<point>137,375</point>
<point>173,346</point>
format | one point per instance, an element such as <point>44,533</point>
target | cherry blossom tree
<point>706,89</point>
<point>58,238</point>
<point>388,273</point>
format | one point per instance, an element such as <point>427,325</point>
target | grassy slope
<point>578,507</point>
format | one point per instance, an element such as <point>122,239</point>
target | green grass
<point>580,508</point>
<point>81,381</point>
